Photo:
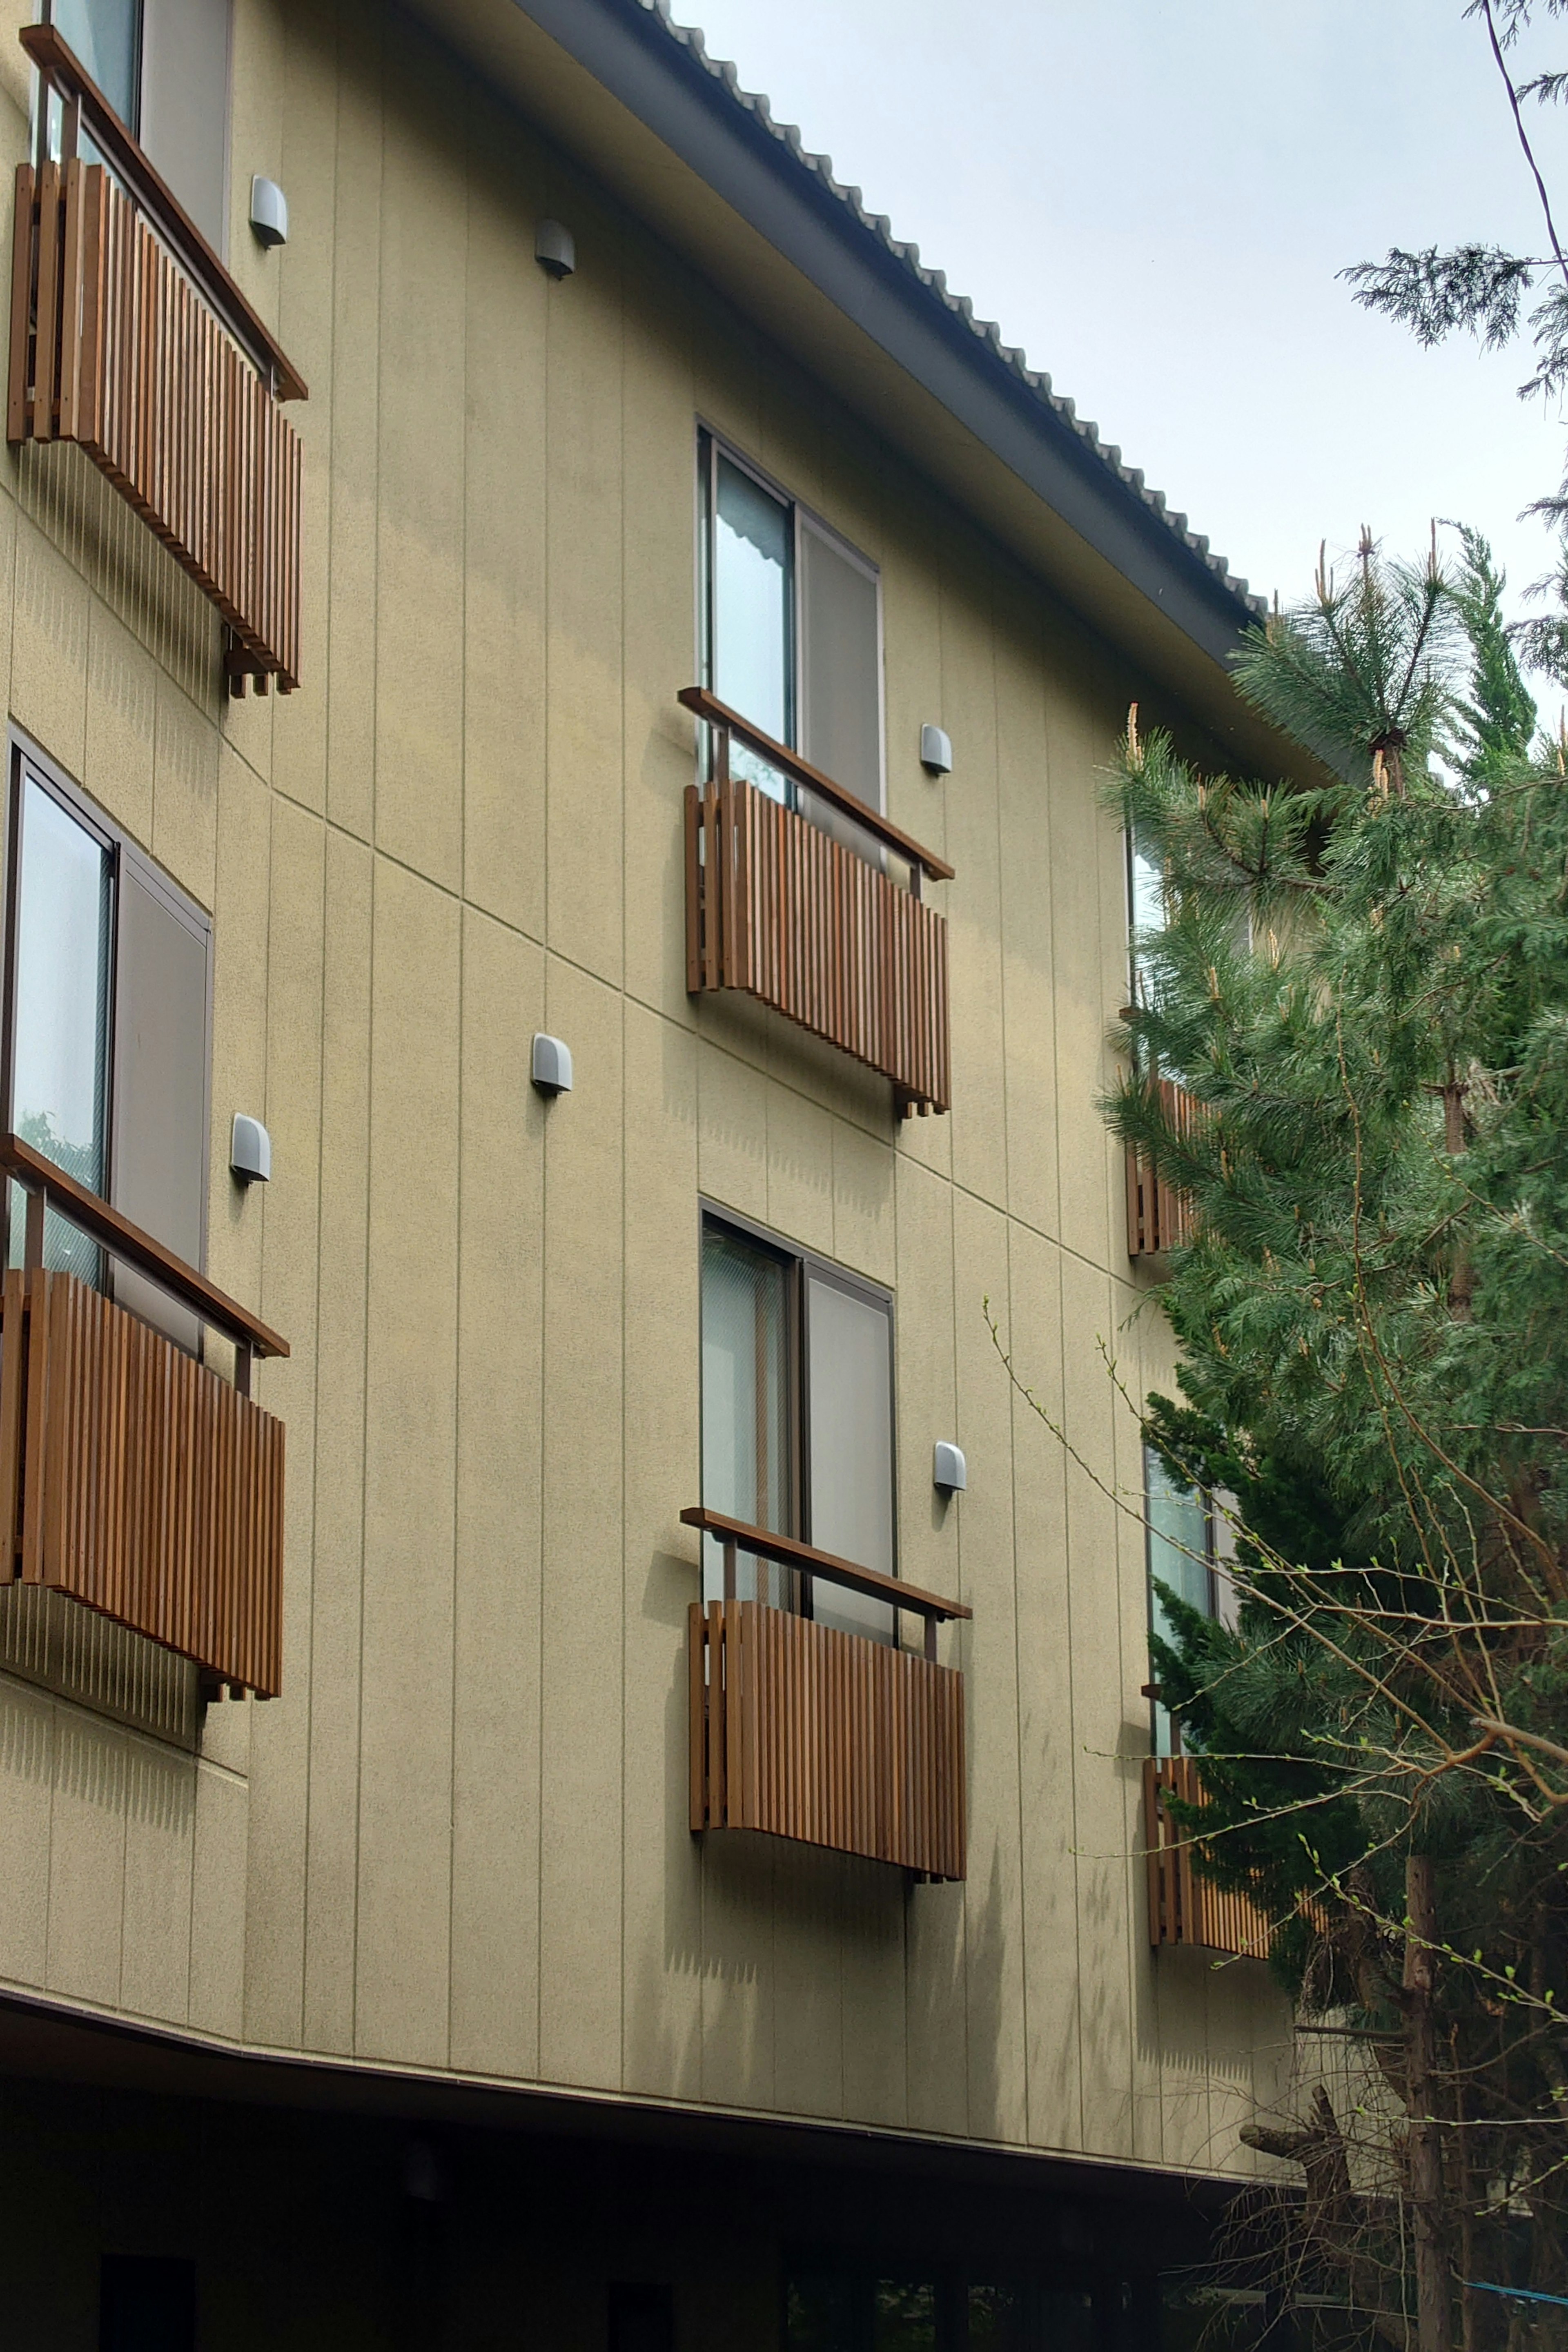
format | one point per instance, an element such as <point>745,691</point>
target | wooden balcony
<point>788,913</point>
<point>133,1477</point>
<point>130,338</point>
<point>1158,1217</point>
<point>1185,1907</point>
<point>827,1738</point>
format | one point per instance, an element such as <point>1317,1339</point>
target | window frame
<point>805,1265</point>
<point>23,754</point>
<point>44,123</point>
<point>710,445</point>
<point>1164,1732</point>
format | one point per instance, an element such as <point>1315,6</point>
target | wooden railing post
<point>33,1233</point>
<point>791,914</point>
<point>130,337</point>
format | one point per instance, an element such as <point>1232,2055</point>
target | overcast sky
<point>1153,198</point>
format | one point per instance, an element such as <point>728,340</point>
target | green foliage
<point>1482,291</point>
<point>1476,288</point>
<point>1364,991</point>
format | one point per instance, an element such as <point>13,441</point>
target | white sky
<point>1153,198</point>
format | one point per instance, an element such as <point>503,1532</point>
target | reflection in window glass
<point>820,2314</point>
<point>754,613</point>
<point>60,1067</point>
<point>103,35</point>
<point>1066,2320</point>
<point>999,2319</point>
<point>904,2316</point>
<point>1178,1558</point>
<point>747,1438</point>
<point>1146,913</point>
<point>850,1383</point>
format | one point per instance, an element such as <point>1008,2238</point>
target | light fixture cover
<point>551,1070</point>
<point>555,248</point>
<point>936,750</point>
<point>250,1150</point>
<point>269,212</point>
<point>949,1469</point>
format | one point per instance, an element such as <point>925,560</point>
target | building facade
<point>447,1895</point>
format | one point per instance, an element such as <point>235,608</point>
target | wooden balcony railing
<point>780,908</point>
<point>806,1732</point>
<point>1183,1907</point>
<point>129,337</point>
<point>133,1477</point>
<point>1158,1217</point>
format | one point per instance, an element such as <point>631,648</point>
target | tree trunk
<point>1432,2278</point>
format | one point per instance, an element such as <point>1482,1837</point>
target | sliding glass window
<point>107,1033</point>
<point>790,632</point>
<point>797,1416</point>
<point>1181,1561</point>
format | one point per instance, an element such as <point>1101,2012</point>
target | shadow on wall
<point>117,555</point>
<point>819,1982</point>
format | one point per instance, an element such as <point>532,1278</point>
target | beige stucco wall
<point>459,1839</point>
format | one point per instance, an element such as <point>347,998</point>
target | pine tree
<point>1364,991</point>
<point>1482,291</point>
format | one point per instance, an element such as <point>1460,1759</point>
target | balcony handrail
<point>117,1234</point>
<point>717,714</point>
<point>62,71</point>
<point>790,1553</point>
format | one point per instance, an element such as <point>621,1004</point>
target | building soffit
<point>636,101</point>
<point>47,2039</point>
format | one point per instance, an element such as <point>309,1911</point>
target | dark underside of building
<point>162,2198</point>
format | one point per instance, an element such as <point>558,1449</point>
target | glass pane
<point>904,2316</point>
<point>999,2319</point>
<point>747,1433</point>
<point>821,2315</point>
<point>1145,911</point>
<point>1178,1557</point>
<point>1066,2320</point>
<point>840,699</point>
<point>103,35</point>
<point>753,606</point>
<point>849,1376</point>
<point>184,105</point>
<point>59,1086</point>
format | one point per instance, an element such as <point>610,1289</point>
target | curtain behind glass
<point>103,35</point>
<point>840,684</point>
<point>747,1433</point>
<point>60,1062</point>
<point>1178,1558</point>
<point>849,1379</point>
<point>185,106</point>
<point>753,652</point>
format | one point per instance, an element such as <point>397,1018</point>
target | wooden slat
<point>24,251</point>
<point>778,910</point>
<point>114,1231</point>
<point>807,1733</point>
<point>1158,1217</point>
<point>60,66</point>
<point>792,1553</point>
<point>1185,1907</point>
<point>139,1482</point>
<point>713,712</point>
<point>127,360</point>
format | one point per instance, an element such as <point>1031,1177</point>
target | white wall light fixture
<point>269,212</point>
<point>555,248</point>
<point>936,751</point>
<point>949,1470</point>
<point>551,1067</point>
<point>249,1150</point>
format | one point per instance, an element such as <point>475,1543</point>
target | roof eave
<point>638,104</point>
